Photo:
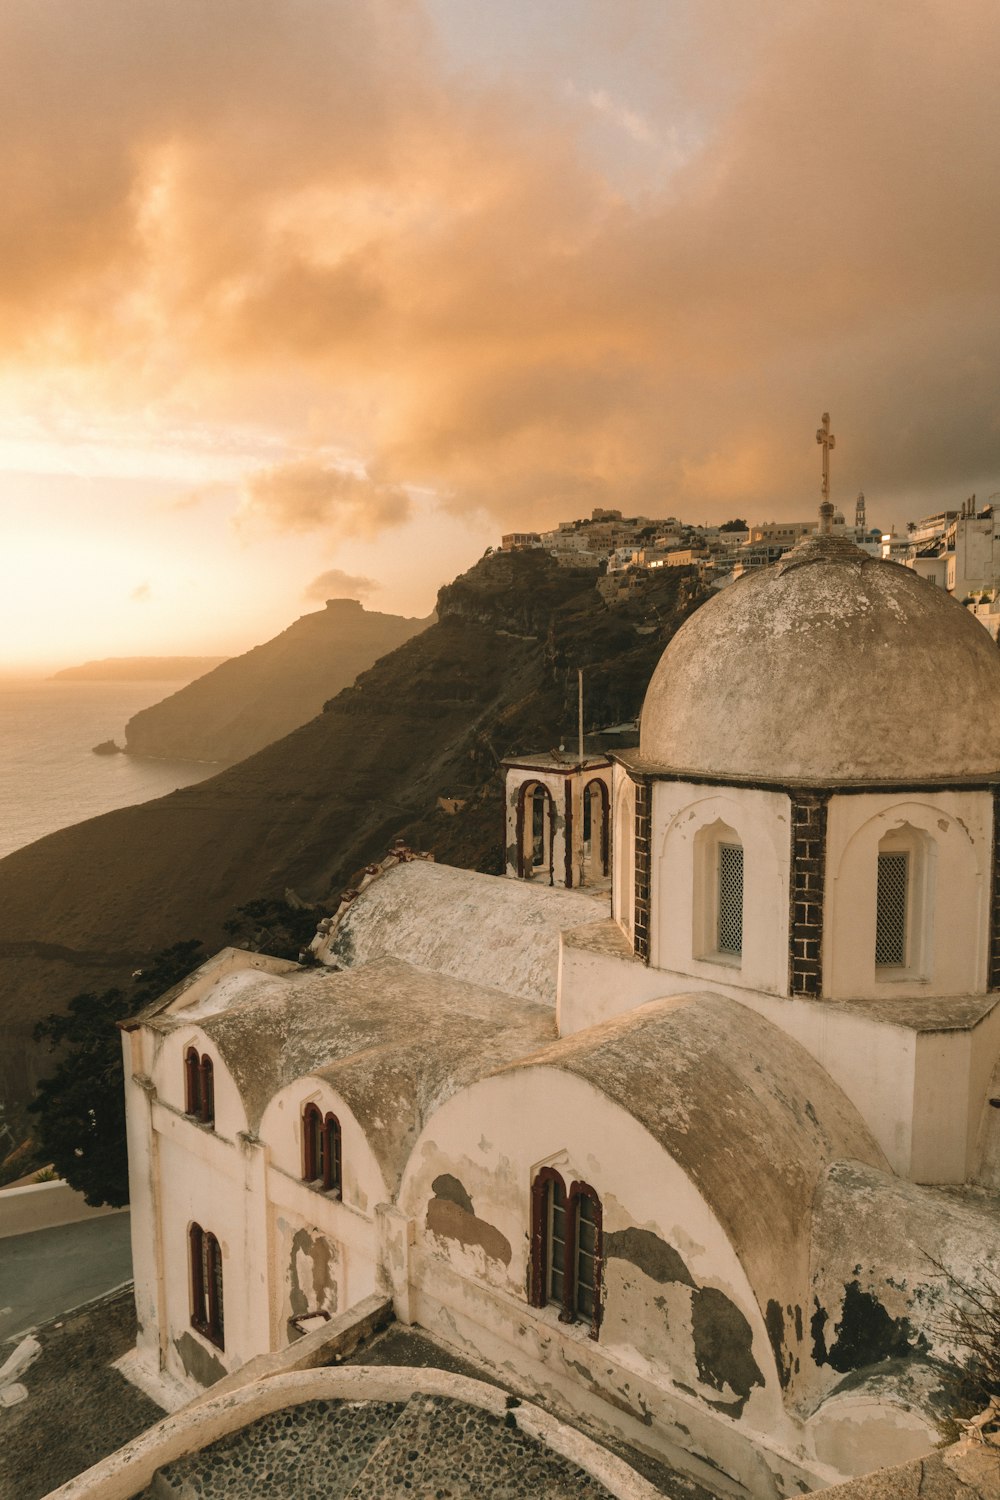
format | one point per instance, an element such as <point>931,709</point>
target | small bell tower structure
<point>558,815</point>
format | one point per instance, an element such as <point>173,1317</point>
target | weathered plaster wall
<point>201,1182</point>
<point>600,977</point>
<point>500,933</point>
<point>623,850</point>
<point>887,1260</point>
<point>889,1263</point>
<point>761,819</point>
<point>954,941</point>
<point>323,1246</point>
<point>680,1319</point>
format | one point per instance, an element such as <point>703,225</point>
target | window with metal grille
<point>730,910</point>
<point>890,910</point>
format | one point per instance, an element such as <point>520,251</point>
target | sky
<point>306,298</point>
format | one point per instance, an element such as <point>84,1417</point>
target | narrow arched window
<point>206,1112</point>
<point>192,1086</point>
<point>584,1254</point>
<point>718,895</point>
<point>903,900</point>
<point>199,1087</point>
<point>595,830</point>
<point>729,907</point>
<point>312,1143</point>
<point>548,1238</point>
<point>535,818</point>
<point>332,1155</point>
<point>566,1248</point>
<point>205,1269</point>
<point>322,1155</point>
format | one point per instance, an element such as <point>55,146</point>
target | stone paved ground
<point>311,1452</point>
<point>400,1345</point>
<point>442,1450</point>
<point>78,1409</point>
<point>433,1448</point>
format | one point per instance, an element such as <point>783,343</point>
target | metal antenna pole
<point>579,674</point>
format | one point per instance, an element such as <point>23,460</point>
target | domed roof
<point>829,666</point>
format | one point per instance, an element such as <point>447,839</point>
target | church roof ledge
<point>642,767</point>
<point>924,1014</point>
<point>604,937</point>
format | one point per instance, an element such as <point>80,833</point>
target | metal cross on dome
<point>826,437</point>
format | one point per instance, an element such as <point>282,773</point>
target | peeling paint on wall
<point>452,1222</point>
<point>722,1347</point>
<point>311,1284</point>
<point>865,1334</point>
<point>649,1253</point>
<point>448,1187</point>
<point>774,1321</point>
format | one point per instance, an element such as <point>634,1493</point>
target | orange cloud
<point>305,496</point>
<point>336,584</point>
<point>297,217</point>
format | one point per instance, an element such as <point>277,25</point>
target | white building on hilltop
<point>684,1166</point>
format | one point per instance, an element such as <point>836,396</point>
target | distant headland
<point>140,669</point>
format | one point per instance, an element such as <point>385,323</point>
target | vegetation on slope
<point>84,907</point>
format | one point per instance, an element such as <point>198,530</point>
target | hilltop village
<point>959,550</point>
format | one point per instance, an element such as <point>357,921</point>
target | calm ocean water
<point>48,774</point>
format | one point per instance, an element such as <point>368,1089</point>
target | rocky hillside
<point>253,699</point>
<point>80,909</point>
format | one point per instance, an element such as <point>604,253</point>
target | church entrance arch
<point>536,821</point>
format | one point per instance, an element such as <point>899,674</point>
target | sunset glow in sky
<point>322,295</point>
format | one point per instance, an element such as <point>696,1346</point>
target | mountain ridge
<point>248,701</point>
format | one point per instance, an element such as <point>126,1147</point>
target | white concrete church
<point>686,1162</point>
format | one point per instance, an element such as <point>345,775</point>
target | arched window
<point>535,817</point>
<point>718,903</point>
<point>595,830</point>
<point>584,1253</point>
<point>321,1150</point>
<point>903,880</point>
<point>207,1080</point>
<point>205,1265</point>
<point>191,1082</point>
<point>566,1248</point>
<point>199,1087</point>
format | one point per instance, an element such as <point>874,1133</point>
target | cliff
<point>251,700</point>
<point>80,909</point>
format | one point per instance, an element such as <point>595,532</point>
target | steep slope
<point>254,699</point>
<point>497,673</point>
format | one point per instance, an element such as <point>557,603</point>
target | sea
<point>49,775</point>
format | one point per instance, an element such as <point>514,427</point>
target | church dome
<point>829,666</point>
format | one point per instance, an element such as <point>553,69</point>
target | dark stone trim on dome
<point>807,878</point>
<point>643,849</point>
<point>649,771</point>
<point>993,981</point>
